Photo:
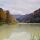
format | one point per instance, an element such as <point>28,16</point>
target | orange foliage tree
<point>6,17</point>
<point>2,15</point>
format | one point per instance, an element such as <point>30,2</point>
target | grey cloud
<point>20,4</point>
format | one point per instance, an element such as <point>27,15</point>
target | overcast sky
<point>29,5</point>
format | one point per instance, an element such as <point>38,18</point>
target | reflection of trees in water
<point>35,36</point>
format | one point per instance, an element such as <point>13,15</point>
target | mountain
<point>36,16</point>
<point>30,18</point>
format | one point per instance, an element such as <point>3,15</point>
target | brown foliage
<point>5,16</point>
<point>8,19</point>
<point>2,15</point>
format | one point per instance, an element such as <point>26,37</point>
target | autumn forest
<point>5,17</point>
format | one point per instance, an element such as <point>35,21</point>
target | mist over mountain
<point>30,18</point>
<point>20,12</point>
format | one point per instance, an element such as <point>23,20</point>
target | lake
<point>20,31</point>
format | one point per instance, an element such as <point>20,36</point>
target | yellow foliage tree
<point>6,17</point>
<point>2,15</point>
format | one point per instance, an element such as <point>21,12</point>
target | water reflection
<point>35,36</point>
<point>20,32</point>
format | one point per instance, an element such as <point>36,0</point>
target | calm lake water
<point>20,31</point>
